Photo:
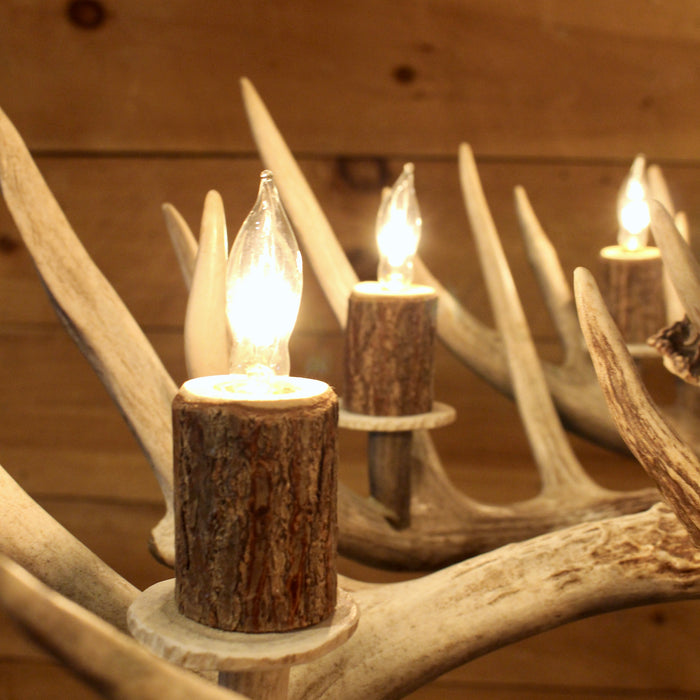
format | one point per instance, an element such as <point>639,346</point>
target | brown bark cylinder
<point>632,286</point>
<point>389,350</point>
<point>255,510</point>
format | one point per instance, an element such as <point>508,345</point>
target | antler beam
<point>411,632</point>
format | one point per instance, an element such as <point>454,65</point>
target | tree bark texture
<point>255,512</point>
<point>632,287</point>
<point>389,349</point>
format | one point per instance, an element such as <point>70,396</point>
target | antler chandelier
<point>580,547</point>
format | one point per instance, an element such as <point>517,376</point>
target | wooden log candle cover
<point>255,505</point>
<point>389,348</point>
<point>632,286</point>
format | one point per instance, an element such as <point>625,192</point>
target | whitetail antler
<point>683,268</point>
<point>666,458</point>
<point>94,315</point>
<point>111,661</point>
<point>206,327</point>
<point>183,240</point>
<point>411,632</point>
<point>574,389</point>
<point>31,537</point>
<point>446,526</point>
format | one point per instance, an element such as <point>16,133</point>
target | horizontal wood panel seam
<point>320,156</point>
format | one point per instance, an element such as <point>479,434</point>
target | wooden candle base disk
<point>440,415</point>
<point>154,621</point>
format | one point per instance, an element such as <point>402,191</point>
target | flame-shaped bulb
<point>398,232</point>
<point>633,208</point>
<point>263,289</point>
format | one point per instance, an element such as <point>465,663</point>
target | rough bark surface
<point>256,521</point>
<point>389,347</point>
<point>633,291</point>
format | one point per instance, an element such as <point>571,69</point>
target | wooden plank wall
<point>128,104</point>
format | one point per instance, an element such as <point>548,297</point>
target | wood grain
<point>543,79</point>
<point>114,207</point>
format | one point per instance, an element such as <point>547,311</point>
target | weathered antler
<point>94,316</point>
<point>411,632</point>
<point>31,537</point>
<point>446,526</point>
<point>574,389</point>
<point>113,662</point>
<point>666,458</point>
<point>206,328</point>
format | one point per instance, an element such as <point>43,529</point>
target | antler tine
<point>333,271</point>
<point>552,281</point>
<point>92,312</point>
<point>479,346</point>
<point>658,188</point>
<point>667,459</point>
<point>659,191</point>
<point>206,327</point>
<point>558,465</point>
<point>183,240</point>
<point>117,665</point>
<point>679,260</point>
<point>31,537</point>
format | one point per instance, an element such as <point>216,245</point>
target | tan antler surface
<point>183,240</point>
<point>683,268</point>
<point>31,537</point>
<point>206,327</point>
<point>109,660</point>
<point>556,290</point>
<point>667,459</point>
<point>559,468</point>
<point>322,248</point>
<point>411,632</point>
<point>93,313</point>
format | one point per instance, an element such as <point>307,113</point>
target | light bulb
<point>263,289</point>
<point>633,209</point>
<point>398,232</point>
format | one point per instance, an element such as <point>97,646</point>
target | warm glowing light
<point>633,209</point>
<point>398,232</point>
<point>263,289</point>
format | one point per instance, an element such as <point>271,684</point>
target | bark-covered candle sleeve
<point>389,352</point>
<point>632,286</point>
<point>255,509</point>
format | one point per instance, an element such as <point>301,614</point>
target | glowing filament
<point>633,209</point>
<point>263,288</point>
<point>398,232</point>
